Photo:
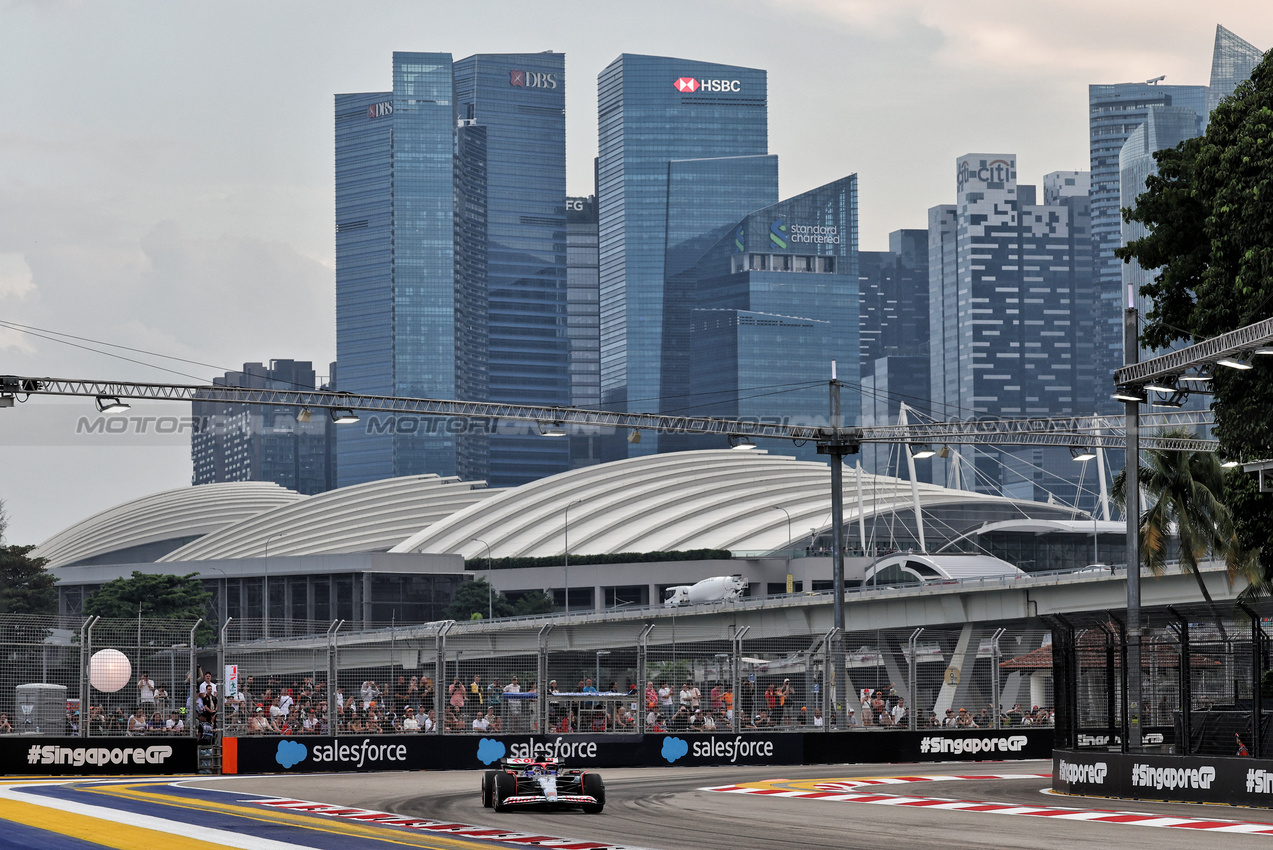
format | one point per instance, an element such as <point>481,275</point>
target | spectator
<point>852,720</point>
<point>817,717</point>
<point>696,697</point>
<point>709,721</point>
<point>727,701</point>
<point>259,724</point>
<point>430,721</point>
<point>684,697</point>
<point>174,725</point>
<point>652,723</point>
<point>146,690</point>
<point>696,720</point>
<point>137,723</point>
<point>456,697</point>
<point>771,699</point>
<point>784,694</point>
<point>514,705</point>
<point>5,726</point>
<point>285,702</point>
<point>369,692</point>
<point>651,697</point>
<point>480,723</point>
<point>899,712</point>
<point>665,699</point>
<point>475,691</point>
<point>409,723</point>
<point>208,687</point>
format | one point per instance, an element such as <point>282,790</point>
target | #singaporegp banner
<point>326,754</point>
<point>42,755</point>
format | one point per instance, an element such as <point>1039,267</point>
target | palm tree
<point>1186,496</point>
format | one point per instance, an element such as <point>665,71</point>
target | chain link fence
<point>323,677</point>
<point>95,677</point>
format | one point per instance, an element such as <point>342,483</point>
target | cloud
<point>290,753</point>
<point>490,750</point>
<point>674,748</point>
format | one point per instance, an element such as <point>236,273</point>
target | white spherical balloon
<point>109,670</point>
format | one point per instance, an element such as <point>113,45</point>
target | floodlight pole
<point>1131,354</point>
<point>837,447</point>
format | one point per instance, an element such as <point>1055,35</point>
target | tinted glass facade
<point>1115,111</point>
<point>653,110</point>
<point>451,260</point>
<point>518,102</point>
<point>777,301</point>
<point>395,277</point>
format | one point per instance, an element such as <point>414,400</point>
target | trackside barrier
<point>1184,779</point>
<point>326,754</point>
<point>32,755</point>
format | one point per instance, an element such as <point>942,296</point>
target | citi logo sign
<point>689,85</point>
<point>380,110</point>
<point>532,79</point>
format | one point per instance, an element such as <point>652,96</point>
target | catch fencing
<point>537,675</point>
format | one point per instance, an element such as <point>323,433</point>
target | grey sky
<point>166,168</point>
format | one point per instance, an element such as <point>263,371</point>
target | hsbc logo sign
<point>380,110</point>
<point>689,85</point>
<point>532,79</point>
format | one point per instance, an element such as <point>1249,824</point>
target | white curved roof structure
<point>369,517</point>
<point>923,567</point>
<point>173,515</point>
<point>721,499</point>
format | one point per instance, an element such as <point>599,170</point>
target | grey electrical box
<point>41,710</point>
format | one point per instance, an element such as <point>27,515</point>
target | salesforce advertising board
<point>1195,779</point>
<point>45,756</point>
<point>308,754</point>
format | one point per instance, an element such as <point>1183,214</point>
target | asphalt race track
<point>664,808</point>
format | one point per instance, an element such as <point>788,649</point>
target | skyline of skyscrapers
<point>463,271</point>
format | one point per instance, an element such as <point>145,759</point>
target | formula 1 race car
<point>541,782</point>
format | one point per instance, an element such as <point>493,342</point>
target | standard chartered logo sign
<point>781,233</point>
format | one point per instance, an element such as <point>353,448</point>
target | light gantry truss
<point>1238,345</point>
<point>1088,431</point>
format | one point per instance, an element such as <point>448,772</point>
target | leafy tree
<point>534,602</point>
<point>153,596</point>
<point>475,598</point>
<point>26,587</point>
<point>1186,497</point>
<point>1210,218</point>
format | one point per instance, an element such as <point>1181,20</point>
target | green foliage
<point>475,598</point>
<point>583,560</point>
<point>26,587</point>
<point>1210,213</point>
<point>534,602</point>
<point>157,597</point>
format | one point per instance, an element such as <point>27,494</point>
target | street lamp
<point>600,652</point>
<point>566,535</point>
<point>490,592</point>
<point>788,516</point>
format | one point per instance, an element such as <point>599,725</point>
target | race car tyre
<point>488,788</point>
<point>595,788</point>
<point>504,787</point>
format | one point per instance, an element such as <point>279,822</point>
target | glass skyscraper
<point>653,113</point>
<point>775,301</point>
<point>395,275</point>
<point>1011,292</point>
<point>1116,111</point>
<point>517,103</point>
<point>450,260</point>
